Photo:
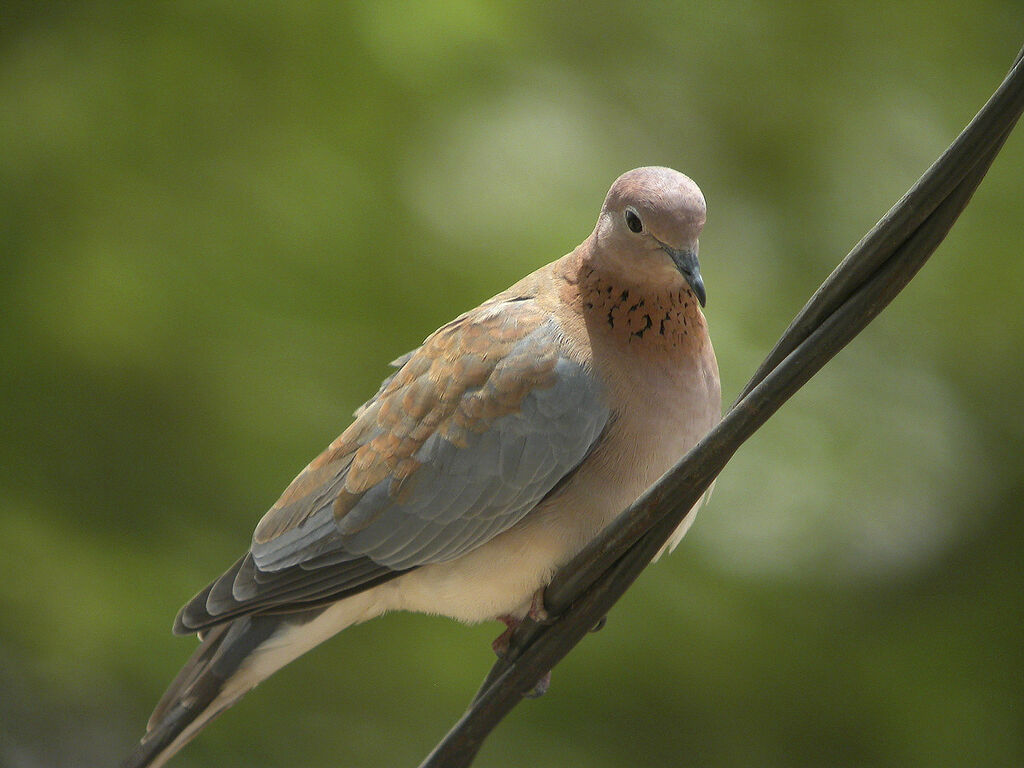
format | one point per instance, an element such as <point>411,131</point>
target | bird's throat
<point>641,319</point>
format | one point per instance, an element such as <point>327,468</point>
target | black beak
<point>687,264</point>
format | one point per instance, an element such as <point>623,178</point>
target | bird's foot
<point>538,614</point>
<point>537,610</point>
<point>500,644</point>
<point>540,688</point>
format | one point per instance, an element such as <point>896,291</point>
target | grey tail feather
<point>196,689</point>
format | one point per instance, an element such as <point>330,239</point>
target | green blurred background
<point>219,221</point>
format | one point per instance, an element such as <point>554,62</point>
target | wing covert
<point>473,430</point>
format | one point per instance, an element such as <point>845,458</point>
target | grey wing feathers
<point>461,487</point>
<point>477,426</point>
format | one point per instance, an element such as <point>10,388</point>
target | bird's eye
<point>633,221</point>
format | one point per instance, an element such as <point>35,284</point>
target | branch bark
<point>860,287</point>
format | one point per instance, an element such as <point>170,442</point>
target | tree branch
<point>863,284</point>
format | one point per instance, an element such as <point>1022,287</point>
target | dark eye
<point>633,221</point>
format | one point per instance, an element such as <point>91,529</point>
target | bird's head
<point>649,226</point>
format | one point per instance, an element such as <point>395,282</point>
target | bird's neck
<point>632,317</point>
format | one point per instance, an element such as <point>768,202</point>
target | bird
<point>490,456</point>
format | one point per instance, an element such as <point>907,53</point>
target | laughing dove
<point>501,446</point>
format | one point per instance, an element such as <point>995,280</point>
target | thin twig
<point>864,283</point>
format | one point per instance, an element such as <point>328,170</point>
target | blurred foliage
<point>219,221</point>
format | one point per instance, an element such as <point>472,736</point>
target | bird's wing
<point>477,426</point>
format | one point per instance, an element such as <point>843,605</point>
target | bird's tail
<point>230,661</point>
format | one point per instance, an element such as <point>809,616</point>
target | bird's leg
<point>500,644</point>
